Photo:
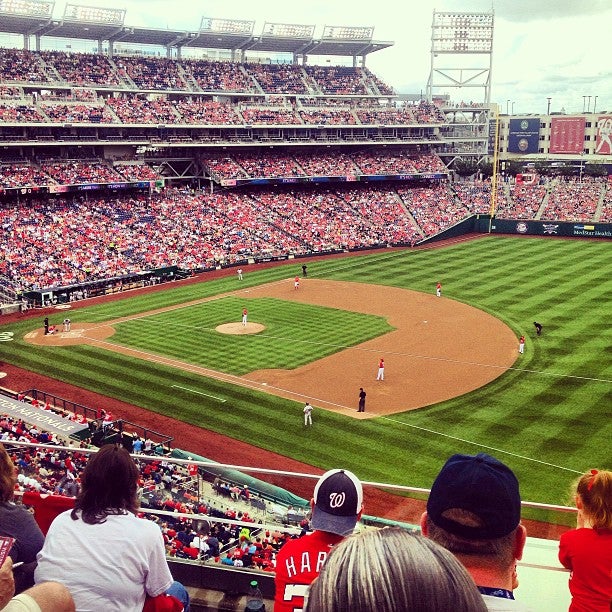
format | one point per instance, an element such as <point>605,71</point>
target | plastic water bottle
<point>255,602</point>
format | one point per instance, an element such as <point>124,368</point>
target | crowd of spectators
<point>524,202</point>
<point>164,74</point>
<point>59,242</point>
<point>339,80</point>
<point>77,113</point>
<point>327,116</point>
<point>198,111</point>
<point>21,175</point>
<point>219,76</point>
<point>81,69</point>
<point>19,113</point>
<point>139,109</point>
<point>77,172</point>
<point>573,200</point>
<point>606,208</point>
<point>279,78</point>
<point>433,208</point>
<point>232,534</point>
<point>158,73</point>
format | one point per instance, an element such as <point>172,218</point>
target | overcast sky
<point>542,48</point>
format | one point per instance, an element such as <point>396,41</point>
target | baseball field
<point>454,381</point>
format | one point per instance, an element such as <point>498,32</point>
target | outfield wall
<point>530,227</point>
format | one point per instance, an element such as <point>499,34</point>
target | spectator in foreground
<point>107,557</point>
<point>587,550</point>
<point>474,511</point>
<point>18,523</point>
<point>336,507</point>
<point>44,597</point>
<point>392,570</point>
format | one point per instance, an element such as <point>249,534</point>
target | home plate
<point>264,384</point>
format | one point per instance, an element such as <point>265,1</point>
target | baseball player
<point>245,312</point>
<point>439,289</point>
<point>67,324</point>
<point>296,282</point>
<point>307,414</point>
<point>381,370</point>
<point>239,273</point>
<point>522,344</point>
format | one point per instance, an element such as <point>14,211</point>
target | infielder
<point>381,370</point>
<point>245,312</point>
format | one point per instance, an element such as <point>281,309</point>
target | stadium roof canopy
<point>34,18</point>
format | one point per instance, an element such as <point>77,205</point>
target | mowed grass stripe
<point>295,334</point>
<point>537,417</point>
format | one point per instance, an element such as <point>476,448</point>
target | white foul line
<point>497,450</point>
<point>198,392</point>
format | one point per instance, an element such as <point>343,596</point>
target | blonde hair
<point>8,478</point>
<point>392,570</point>
<point>595,491</point>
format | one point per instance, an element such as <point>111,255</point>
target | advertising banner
<point>603,145</point>
<point>567,134</point>
<point>524,135</point>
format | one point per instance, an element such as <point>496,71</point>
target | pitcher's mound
<point>239,329</point>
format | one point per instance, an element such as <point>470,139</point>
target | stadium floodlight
<point>27,8</point>
<point>92,14</point>
<point>288,30</point>
<point>226,26</point>
<point>454,36</point>
<point>462,33</point>
<point>348,33</point>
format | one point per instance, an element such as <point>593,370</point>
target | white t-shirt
<point>108,566</point>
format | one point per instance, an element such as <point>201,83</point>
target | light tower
<point>460,44</point>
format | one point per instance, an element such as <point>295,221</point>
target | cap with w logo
<point>338,499</point>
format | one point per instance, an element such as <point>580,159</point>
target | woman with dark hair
<point>107,557</point>
<point>392,570</point>
<point>18,523</point>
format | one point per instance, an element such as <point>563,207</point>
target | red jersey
<point>297,564</point>
<point>244,312</point>
<point>381,363</point>
<point>588,554</point>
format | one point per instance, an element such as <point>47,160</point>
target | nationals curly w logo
<point>336,500</point>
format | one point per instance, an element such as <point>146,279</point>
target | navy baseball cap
<point>338,499</point>
<point>481,485</point>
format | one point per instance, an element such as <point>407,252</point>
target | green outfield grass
<point>548,418</point>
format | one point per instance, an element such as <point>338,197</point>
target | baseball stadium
<point>203,232</point>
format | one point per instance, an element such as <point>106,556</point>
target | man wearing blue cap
<point>474,511</point>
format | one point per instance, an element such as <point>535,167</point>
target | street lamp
<point>512,108</point>
<point>589,104</point>
<point>594,104</point>
<point>548,109</point>
<point>507,105</point>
